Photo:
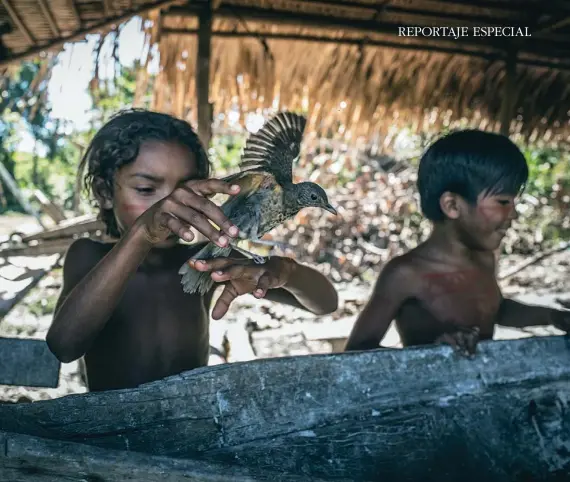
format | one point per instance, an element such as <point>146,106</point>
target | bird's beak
<point>330,209</point>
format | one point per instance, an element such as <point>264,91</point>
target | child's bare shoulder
<point>87,249</point>
<point>400,273</point>
<point>84,254</point>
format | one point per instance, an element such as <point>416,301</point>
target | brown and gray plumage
<point>267,197</point>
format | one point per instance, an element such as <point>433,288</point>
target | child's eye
<point>144,190</point>
<point>504,202</point>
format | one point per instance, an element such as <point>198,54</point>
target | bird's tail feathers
<point>201,281</point>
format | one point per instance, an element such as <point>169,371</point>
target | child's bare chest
<point>469,297</point>
<point>163,291</point>
<point>156,330</point>
<point>464,298</point>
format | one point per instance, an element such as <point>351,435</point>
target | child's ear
<point>450,204</point>
<point>102,193</point>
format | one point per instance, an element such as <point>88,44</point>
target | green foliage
<point>549,171</point>
<point>225,152</point>
<point>24,108</point>
<point>23,105</point>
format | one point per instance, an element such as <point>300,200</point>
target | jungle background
<point>373,188</point>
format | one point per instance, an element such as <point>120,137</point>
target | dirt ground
<point>254,328</point>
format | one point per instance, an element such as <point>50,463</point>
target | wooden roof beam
<point>527,6</point>
<point>385,7</point>
<point>15,18</point>
<point>544,47</point>
<point>421,46</point>
<point>49,17</point>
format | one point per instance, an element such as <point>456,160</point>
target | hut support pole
<point>203,73</point>
<point>509,101</point>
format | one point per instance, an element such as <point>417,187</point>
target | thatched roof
<point>341,60</point>
<point>344,63</point>
<point>29,27</point>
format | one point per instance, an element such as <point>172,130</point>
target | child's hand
<point>464,340</point>
<point>188,207</point>
<point>243,276</point>
<point>561,319</point>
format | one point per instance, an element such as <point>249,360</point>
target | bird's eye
<point>314,197</point>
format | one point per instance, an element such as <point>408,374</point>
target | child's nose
<point>514,214</point>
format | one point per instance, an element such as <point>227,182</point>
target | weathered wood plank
<point>32,459</point>
<point>29,363</point>
<point>416,414</point>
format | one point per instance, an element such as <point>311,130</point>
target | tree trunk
<point>421,414</point>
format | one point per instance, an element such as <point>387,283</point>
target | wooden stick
<point>529,262</point>
<point>8,305</point>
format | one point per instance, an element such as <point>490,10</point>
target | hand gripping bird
<point>267,197</point>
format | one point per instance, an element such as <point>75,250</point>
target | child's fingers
<point>224,301</point>
<point>262,285</point>
<point>178,228</point>
<point>217,263</point>
<point>196,220</point>
<point>235,272</point>
<point>210,187</point>
<point>447,339</point>
<point>472,338</point>
<point>209,210</point>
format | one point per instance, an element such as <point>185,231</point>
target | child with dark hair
<point>122,305</point>
<point>445,290</point>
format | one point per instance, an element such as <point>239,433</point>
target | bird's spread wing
<point>275,146</point>
<point>252,180</point>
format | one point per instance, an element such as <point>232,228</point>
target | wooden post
<point>509,100</point>
<point>203,73</point>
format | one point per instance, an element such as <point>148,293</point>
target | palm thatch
<point>32,27</point>
<point>341,62</point>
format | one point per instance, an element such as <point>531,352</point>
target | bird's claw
<point>259,259</point>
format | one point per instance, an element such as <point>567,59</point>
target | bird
<point>268,196</point>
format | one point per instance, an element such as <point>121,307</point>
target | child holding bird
<point>122,306</point>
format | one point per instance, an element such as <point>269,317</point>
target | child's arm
<point>279,279</point>
<point>92,287</point>
<point>518,315</point>
<point>392,288</point>
<point>94,281</point>
<point>306,288</point>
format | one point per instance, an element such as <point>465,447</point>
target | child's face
<point>155,173</point>
<point>486,223</point>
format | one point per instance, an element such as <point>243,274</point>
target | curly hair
<point>469,162</point>
<point>117,144</point>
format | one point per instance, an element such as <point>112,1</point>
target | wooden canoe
<point>421,414</point>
